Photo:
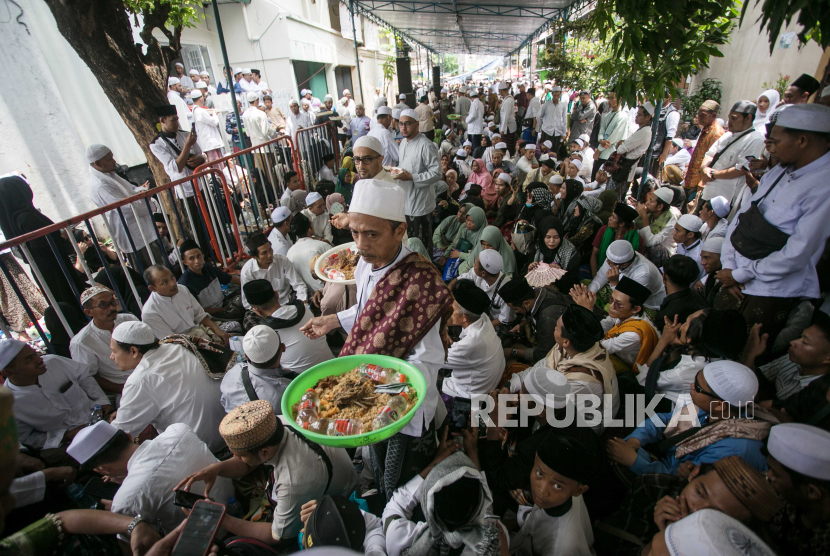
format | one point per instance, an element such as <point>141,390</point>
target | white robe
<point>301,253</point>
<point>172,315</point>
<point>544,535</point>
<point>320,224</point>
<point>91,346</point>
<point>282,276</point>
<point>208,135</point>
<point>107,188</point>
<point>256,125</point>
<point>185,116</point>
<point>390,147</point>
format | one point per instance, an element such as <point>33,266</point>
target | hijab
<point>478,152</point>
<point>335,198</point>
<point>587,207</point>
<point>296,202</point>
<point>608,199</point>
<point>415,244</point>
<point>761,118</point>
<point>482,177</point>
<point>480,220</point>
<point>18,214</point>
<point>492,235</point>
<point>563,252</point>
<point>573,189</point>
<point>348,163</point>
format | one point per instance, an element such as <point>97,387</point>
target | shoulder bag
<point>754,237</point>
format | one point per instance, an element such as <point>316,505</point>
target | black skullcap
<point>327,157</point>
<point>571,457</point>
<point>336,521</point>
<point>582,323</point>
<point>165,110</point>
<point>625,213</point>
<point>457,504</point>
<point>258,292</point>
<point>159,217</point>
<point>636,291</point>
<point>515,291</point>
<point>550,163</point>
<point>187,245</point>
<point>807,83</point>
<point>724,333</point>
<point>471,297</point>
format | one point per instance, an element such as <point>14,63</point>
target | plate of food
<point>336,404</point>
<point>338,264</point>
<point>396,171</point>
<point>454,117</point>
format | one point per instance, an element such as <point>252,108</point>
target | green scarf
<point>492,235</point>
<point>661,221</point>
<point>632,237</point>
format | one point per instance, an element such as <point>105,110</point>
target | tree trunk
<point>134,82</point>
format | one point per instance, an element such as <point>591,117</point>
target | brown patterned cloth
<point>403,307</point>
<point>706,139</point>
<point>753,429</point>
<point>215,358</point>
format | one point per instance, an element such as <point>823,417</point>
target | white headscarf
<point>761,118</point>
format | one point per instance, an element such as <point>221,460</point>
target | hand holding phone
<point>186,499</point>
<point>200,529</point>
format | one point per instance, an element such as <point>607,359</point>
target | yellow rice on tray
<point>351,396</point>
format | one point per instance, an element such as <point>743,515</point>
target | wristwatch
<point>514,352</point>
<point>136,520</point>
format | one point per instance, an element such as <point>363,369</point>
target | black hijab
<point>546,224</point>
<point>18,214</point>
<point>478,152</point>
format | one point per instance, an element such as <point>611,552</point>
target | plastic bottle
<point>391,412</point>
<point>235,344</point>
<point>306,414</point>
<point>344,427</point>
<point>380,374</point>
<point>96,415</point>
<point>320,426</point>
<point>312,396</point>
<point>234,508</point>
<point>82,499</point>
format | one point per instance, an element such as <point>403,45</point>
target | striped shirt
<point>787,376</point>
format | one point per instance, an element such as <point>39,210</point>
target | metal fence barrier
<point>313,143</point>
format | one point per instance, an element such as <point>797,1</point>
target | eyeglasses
<point>365,159</point>
<point>616,304</point>
<point>112,303</point>
<point>700,390</point>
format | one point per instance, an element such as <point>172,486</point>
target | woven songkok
<point>249,425</point>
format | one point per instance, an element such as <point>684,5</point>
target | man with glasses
<point>621,260</point>
<point>368,160</point>
<point>91,345</point>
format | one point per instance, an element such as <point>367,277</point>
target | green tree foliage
<point>779,85</point>
<point>813,17</point>
<point>708,89</point>
<point>574,57</point>
<point>653,45</point>
<point>450,64</point>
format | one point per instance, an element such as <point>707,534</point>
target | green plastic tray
<point>342,365</point>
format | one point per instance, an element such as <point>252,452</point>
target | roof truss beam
<point>462,9</point>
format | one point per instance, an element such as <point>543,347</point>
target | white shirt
<point>718,231</point>
<point>91,346</point>
<point>626,346</point>
<point>641,271</point>
<point>750,144</point>
<point>320,224</point>
<point>170,386</point>
<point>476,360</point>
<point>162,148</point>
<point>43,413</point>
<point>664,237</point>
<point>419,157</point>
<point>106,188</point>
<point>680,159</point>
<point>390,147</point>
<point>208,135</point>
<point>279,243</point>
<point>693,252</point>
<point>787,376</point>
<point>427,355</point>
<point>594,188</point>
<point>185,116</point>
<point>301,352</point>
<point>507,115</point>
<point>269,384</point>
<point>172,315</point>
<point>280,273</point>
<point>799,206</point>
<point>475,118</point>
<point>301,253</point>
<point>256,125</point>
<point>301,476</point>
<point>533,108</point>
<point>554,117</point>
<point>674,383</point>
<point>157,467</point>
<point>544,535</point>
<point>463,105</point>
<point>636,144</point>
<point>325,173</point>
<point>293,122</point>
<point>28,489</point>
<point>498,308</point>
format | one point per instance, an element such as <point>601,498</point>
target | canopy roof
<point>486,27</point>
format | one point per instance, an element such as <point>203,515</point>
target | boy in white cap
<point>799,471</point>
<point>316,213</point>
<point>206,123</point>
<point>722,394</point>
<point>381,133</point>
<point>621,260</point>
<point>49,413</point>
<point>487,275</point>
<point>714,214</point>
<point>772,278</point>
<point>378,225</point>
<point>169,384</point>
<point>709,285</point>
<point>148,472</point>
<point>656,223</point>
<point>687,236</point>
<point>279,237</point>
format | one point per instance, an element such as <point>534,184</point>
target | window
<point>198,57</point>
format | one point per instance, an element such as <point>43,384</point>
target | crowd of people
<point>621,355</point>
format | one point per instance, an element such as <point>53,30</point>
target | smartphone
<point>200,529</point>
<point>98,489</point>
<point>460,417</point>
<point>186,499</point>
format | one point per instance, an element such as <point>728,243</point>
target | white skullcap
<point>237,70</point>
<point>90,440</point>
<point>491,261</point>
<point>252,97</point>
<point>505,178</point>
<point>380,99</point>
<point>577,163</point>
<point>709,532</point>
<point>491,118</point>
<point>585,138</point>
<point>196,93</point>
<point>312,198</point>
<point>204,74</point>
<point>380,199</point>
<point>556,89</point>
<point>402,96</point>
<point>665,194</point>
<point>721,122</point>
<point>547,86</point>
<point>544,157</point>
<point>493,137</point>
<point>96,152</point>
<point>89,293</point>
<point>246,70</point>
<point>502,86</point>
<point>649,108</point>
<point>733,382</point>
<point>261,343</point>
<point>346,92</point>
<point>501,145</point>
<point>579,142</point>
<point>678,141</point>
<point>9,349</point>
<point>556,179</point>
<point>619,252</point>
<point>304,102</point>
<point>548,144</point>
<point>328,97</point>
<point>173,81</point>
<point>461,152</point>
<point>806,117</point>
<point>293,101</point>
<point>280,214</point>
<point>720,205</point>
<point>180,64</point>
<point>372,143</point>
<point>530,146</point>
<point>384,111</point>
<point>200,84</point>
<point>444,90</point>
<point>491,124</point>
<point>409,113</point>
<point>690,222</point>
<point>803,448</point>
<point>194,71</point>
<point>549,384</point>
<point>467,144</point>
<point>133,332</point>
<point>396,113</point>
<point>712,245</point>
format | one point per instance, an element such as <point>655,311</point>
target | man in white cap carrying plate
<point>421,170</point>
<point>389,273</point>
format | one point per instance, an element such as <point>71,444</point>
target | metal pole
<point>356,57</point>
<point>655,123</point>
<point>230,75</point>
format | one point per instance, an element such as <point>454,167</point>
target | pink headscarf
<point>485,180</point>
<point>335,198</point>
